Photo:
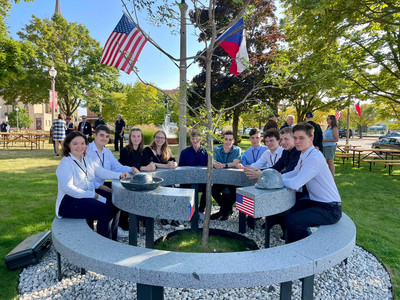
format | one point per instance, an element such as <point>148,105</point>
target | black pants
<point>118,139</point>
<point>225,195</point>
<point>308,213</point>
<point>202,189</point>
<point>106,214</point>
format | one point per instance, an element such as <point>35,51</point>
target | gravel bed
<point>364,277</point>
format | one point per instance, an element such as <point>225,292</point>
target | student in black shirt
<point>133,155</point>
<point>159,153</point>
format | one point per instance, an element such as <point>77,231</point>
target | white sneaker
<point>201,216</point>
<point>122,233</point>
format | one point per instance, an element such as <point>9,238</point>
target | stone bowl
<point>134,186</point>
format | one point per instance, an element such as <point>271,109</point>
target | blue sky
<point>100,17</point>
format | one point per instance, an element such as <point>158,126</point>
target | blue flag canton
<point>239,198</point>
<point>125,25</point>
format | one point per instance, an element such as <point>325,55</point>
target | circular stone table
<point>182,204</point>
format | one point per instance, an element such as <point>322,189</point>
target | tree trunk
<point>209,51</point>
<point>235,123</point>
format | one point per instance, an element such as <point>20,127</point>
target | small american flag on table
<point>245,205</point>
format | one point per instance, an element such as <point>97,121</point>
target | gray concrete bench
<point>153,269</point>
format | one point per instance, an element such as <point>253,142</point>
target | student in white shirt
<point>269,157</point>
<point>324,205</point>
<point>77,196</point>
<point>97,151</point>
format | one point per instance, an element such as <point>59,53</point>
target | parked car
<point>390,134</point>
<point>342,133</point>
<point>387,143</point>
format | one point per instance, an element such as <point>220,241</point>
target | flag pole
<point>182,79</point>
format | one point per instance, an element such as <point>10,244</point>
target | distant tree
<point>368,117</point>
<point>138,104</point>
<point>76,57</point>
<point>23,118</point>
<point>13,54</point>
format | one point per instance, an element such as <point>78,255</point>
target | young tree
<point>204,113</point>
<point>76,57</point>
<point>262,38</point>
<point>23,118</point>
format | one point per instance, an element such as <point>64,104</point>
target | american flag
<point>124,45</point>
<point>245,205</point>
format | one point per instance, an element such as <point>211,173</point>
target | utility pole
<point>182,79</point>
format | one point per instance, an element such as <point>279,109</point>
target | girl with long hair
<point>330,138</point>
<point>159,153</point>
<point>133,155</point>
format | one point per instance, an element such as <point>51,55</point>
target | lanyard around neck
<point>301,161</point>
<point>84,162</point>
<point>255,158</point>
<point>102,161</point>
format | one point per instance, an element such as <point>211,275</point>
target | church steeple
<point>58,9</point>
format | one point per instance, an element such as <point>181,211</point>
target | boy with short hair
<point>225,156</point>
<point>256,150</point>
<point>274,152</point>
<point>324,204</point>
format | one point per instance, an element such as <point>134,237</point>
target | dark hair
<point>254,131</point>
<point>66,150</point>
<point>130,144</point>
<point>286,130</point>
<point>102,128</point>
<point>272,133</point>
<point>61,116</point>
<point>194,133</point>
<point>228,132</point>
<point>166,154</point>
<point>333,119</point>
<point>306,127</point>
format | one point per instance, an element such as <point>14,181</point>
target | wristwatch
<point>226,166</point>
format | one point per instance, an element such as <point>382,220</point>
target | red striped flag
<point>338,115</point>
<point>245,205</point>
<point>124,45</point>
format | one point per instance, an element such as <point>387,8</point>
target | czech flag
<point>233,41</point>
<point>358,108</point>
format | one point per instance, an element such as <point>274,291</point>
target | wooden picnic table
<point>31,137</point>
<point>380,153</point>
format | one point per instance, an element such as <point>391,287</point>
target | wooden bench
<point>343,155</point>
<point>153,269</point>
<point>391,164</point>
<point>379,160</point>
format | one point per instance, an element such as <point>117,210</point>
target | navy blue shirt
<point>288,161</point>
<point>190,158</point>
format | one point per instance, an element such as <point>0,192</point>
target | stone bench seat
<point>328,246</point>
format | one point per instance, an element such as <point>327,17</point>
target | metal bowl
<point>132,186</point>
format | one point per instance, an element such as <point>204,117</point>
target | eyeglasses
<point>160,138</point>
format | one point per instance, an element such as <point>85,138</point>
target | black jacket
<point>317,135</point>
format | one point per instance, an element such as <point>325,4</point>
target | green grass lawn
<point>29,188</point>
